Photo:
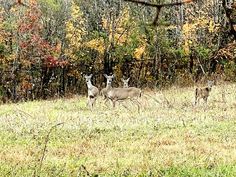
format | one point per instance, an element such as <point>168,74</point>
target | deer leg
<point>114,103</point>
<point>196,96</point>
<point>205,99</point>
<point>106,99</point>
<point>195,101</point>
<point>90,105</point>
<point>88,102</point>
<point>138,104</point>
<point>223,97</point>
<point>93,101</point>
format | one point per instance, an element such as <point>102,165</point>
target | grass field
<point>169,137</point>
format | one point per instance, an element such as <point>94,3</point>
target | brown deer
<point>118,94</point>
<point>125,82</point>
<point>203,92</point>
<point>108,87</point>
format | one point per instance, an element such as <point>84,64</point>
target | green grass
<point>169,137</point>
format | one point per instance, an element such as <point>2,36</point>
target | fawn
<point>203,92</point>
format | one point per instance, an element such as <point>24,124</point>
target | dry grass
<point>169,137</point>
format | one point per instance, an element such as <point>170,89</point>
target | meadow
<point>168,137</point>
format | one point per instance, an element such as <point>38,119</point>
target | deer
<point>203,92</point>
<point>92,91</point>
<point>108,87</point>
<point>118,94</point>
<point>125,82</point>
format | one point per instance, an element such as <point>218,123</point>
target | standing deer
<point>125,82</point>
<point>108,87</point>
<point>92,91</point>
<point>203,92</point>
<point>117,94</point>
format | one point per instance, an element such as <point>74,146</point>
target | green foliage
<point>2,49</point>
<point>52,5</point>
<point>203,52</point>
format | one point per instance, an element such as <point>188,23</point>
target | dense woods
<point>47,45</point>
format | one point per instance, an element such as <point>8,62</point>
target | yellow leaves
<point>105,23</point>
<point>69,26</point>
<point>120,39</point>
<point>202,22</point>
<point>75,29</point>
<point>74,32</point>
<point>74,73</point>
<point>188,34</point>
<point>32,2</point>
<point>187,28</point>
<point>14,9</point>
<point>139,52</point>
<point>97,44</point>
<point>190,31</point>
<point>75,11</point>
<point>211,27</point>
<point>10,58</point>
<point>186,47</point>
<point>125,16</point>
<point>117,29</point>
<point>26,62</point>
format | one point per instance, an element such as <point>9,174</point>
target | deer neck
<point>108,86</point>
<point>89,85</point>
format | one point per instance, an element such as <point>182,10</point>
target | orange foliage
<point>188,1</point>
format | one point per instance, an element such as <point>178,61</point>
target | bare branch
<point>159,5</point>
<point>157,16</point>
<point>47,138</point>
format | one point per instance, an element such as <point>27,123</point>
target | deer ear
<point>105,75</point>
<point>128,79</point>
<point>122,79</point>
<point>89,76</point>
<point>113,75</point>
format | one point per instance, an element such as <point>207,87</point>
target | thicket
<point>47,45</point>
